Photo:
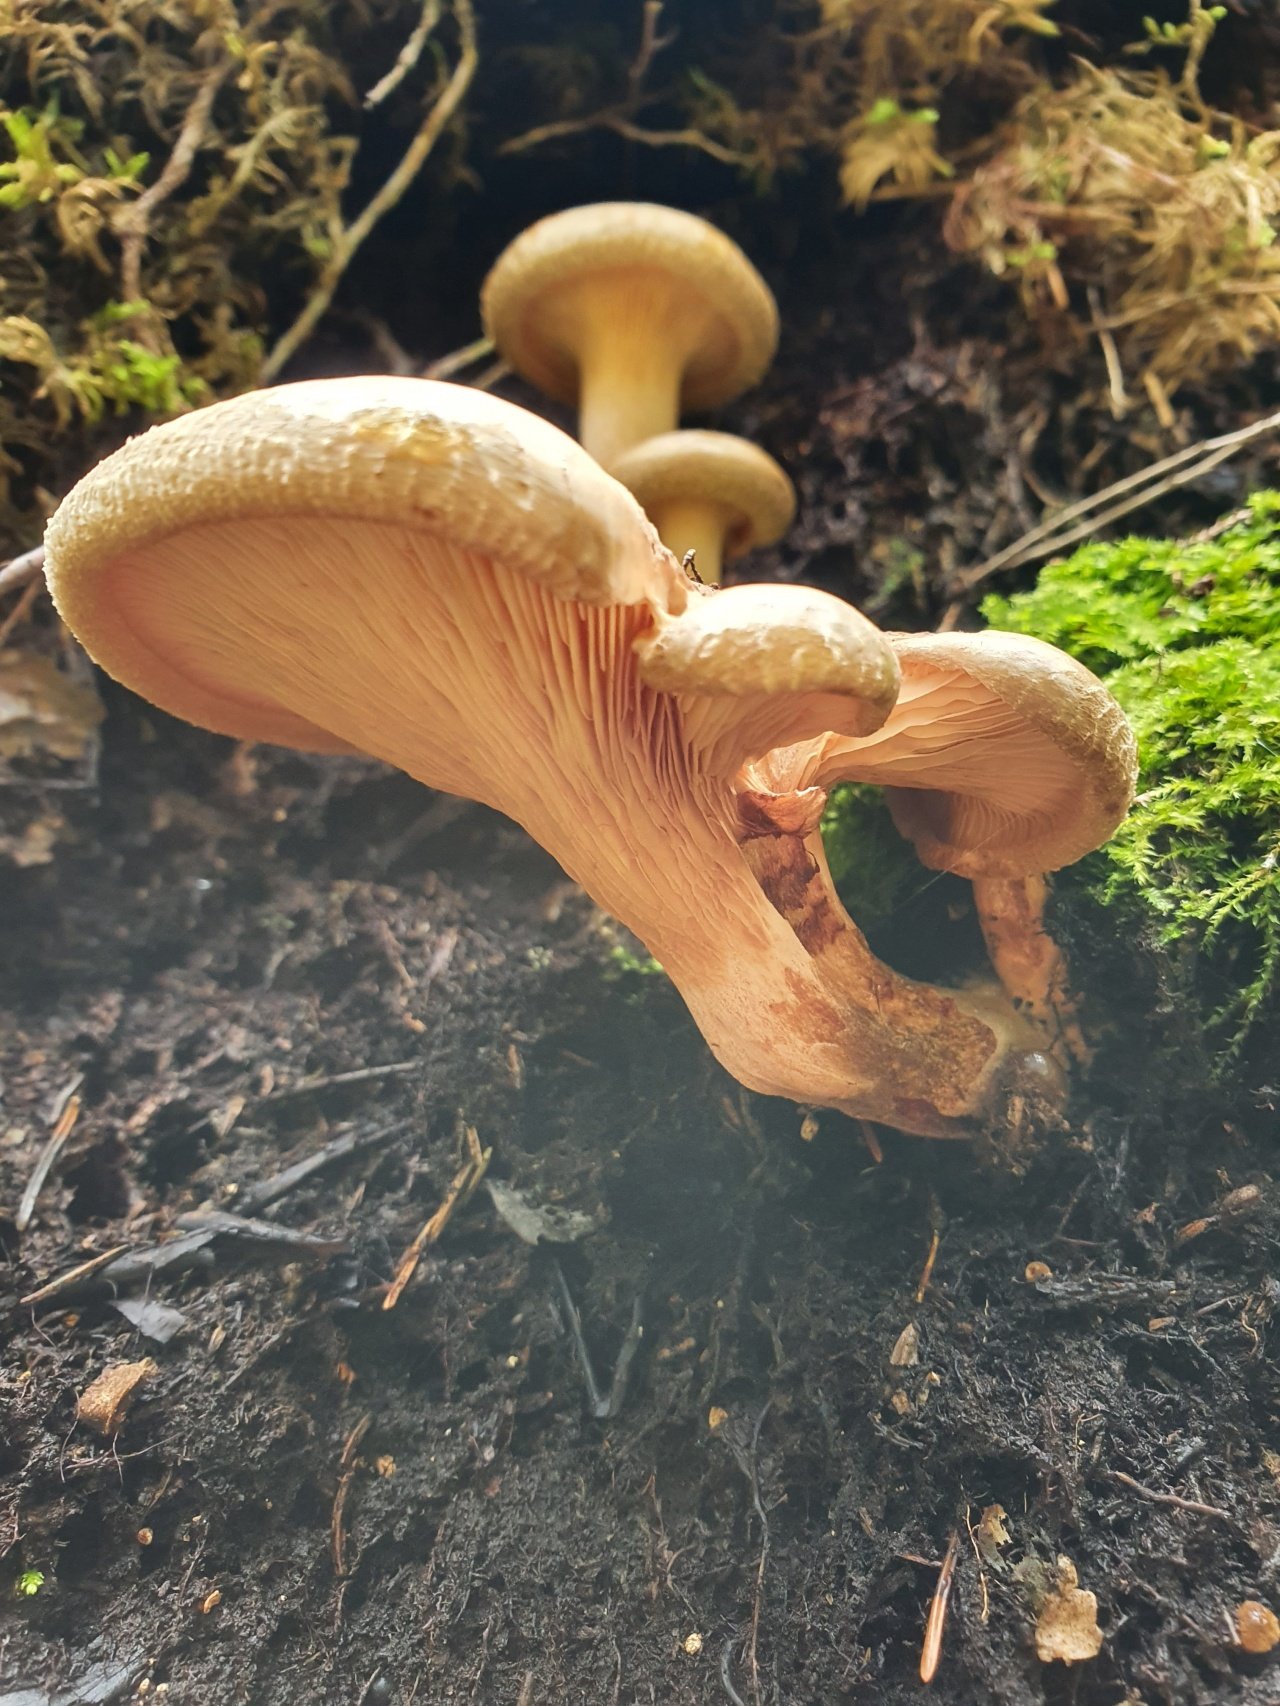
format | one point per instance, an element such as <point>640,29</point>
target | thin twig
<point>931,1651</point>
<point>1167,1498</point>
<point>407,58</point>
<point>1142,487</point>
<point>62,1130</point>
<point>461,1186</point>
<point>19,612</point>
<point>763,1519</point>
<point>133,223</point>
<point>19,570</point>
<point>346,1473</point>
<point>410,164</point>
<point>621,116</point>
<point>445,366</point>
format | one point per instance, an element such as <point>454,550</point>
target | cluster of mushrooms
<point>429,575</point>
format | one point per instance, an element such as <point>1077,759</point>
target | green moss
<point>1187,637</point>
<point>872,867</point>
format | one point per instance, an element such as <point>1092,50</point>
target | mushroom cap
<point>714,468</point>
<point>703,269</point>
<point>765,640</point>
<point>446,461</point>
<point>1003,757</point>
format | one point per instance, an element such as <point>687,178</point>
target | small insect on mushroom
<point>434,577</point>
<point>632,312</point>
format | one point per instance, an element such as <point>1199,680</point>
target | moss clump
<point>1187,637</point>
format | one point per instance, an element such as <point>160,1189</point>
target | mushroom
<point>633,312</point>
<point>1002,760</point>
<point>708,493</point>
<point>434,577</point>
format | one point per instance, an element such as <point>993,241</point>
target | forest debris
<point>74,1276</point>
<point>534,1222</point>
<point>1237,1206</point>
<point>22,570</point>
<point>906,1350</point>
<point>155,1321</point>
<point>1256,1626</point>
<point>254,1197</point>
<point>461,1186</point>
<point>218,1222</point>
<point>347,239</point>
<point>64,1125</point>
<point>346,1472</point>
<point>1172,1499</point>
<point>43,713</point>
<point>931,1651</point>
<point>604,1406</point>
<point>990,1534</point>
<point>104,1404</point>
<point>926,1273</point>
<point>1067,1623</point>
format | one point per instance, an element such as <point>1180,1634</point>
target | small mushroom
<point>633,312</point>
<point>429,575</point>
<point>1003,759</point>
<point>708,493</point>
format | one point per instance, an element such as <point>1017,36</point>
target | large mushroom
<point>429,575</point>
<point>708,493</point>
<point>632,312</point>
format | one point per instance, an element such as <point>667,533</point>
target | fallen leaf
<point>1067,1627</point>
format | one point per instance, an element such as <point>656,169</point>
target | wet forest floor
<point>237,962</point>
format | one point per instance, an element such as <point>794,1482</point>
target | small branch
<point>1172,1499</point>
<point>133,223</point>
<point>1116,500</point>
<point>19,570</point>
<point>462,1185</point>
<point>346,1473</point>
<point>62,1130</point>
<point>931,1652</point>
<point>445,366</point>
<point>352,237</point>
<point>408,57</point>
<point>621,116</point>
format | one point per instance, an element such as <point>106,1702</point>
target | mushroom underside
<point>382,638</point>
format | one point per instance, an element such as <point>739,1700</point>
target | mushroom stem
<point>629,373</point>
<point>686,525</point>
<point>1025,957</point>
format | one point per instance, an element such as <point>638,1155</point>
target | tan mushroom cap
<point>709,492</point>
<point>1002,757</point>
<point>634,312</point>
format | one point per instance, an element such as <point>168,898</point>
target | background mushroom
<point>633,312</point>
<point>429,575</point>
<point>709,493</point>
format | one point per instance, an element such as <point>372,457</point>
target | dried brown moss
<point>158,161</point>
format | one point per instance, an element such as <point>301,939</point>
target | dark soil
<point>313,1498</point>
